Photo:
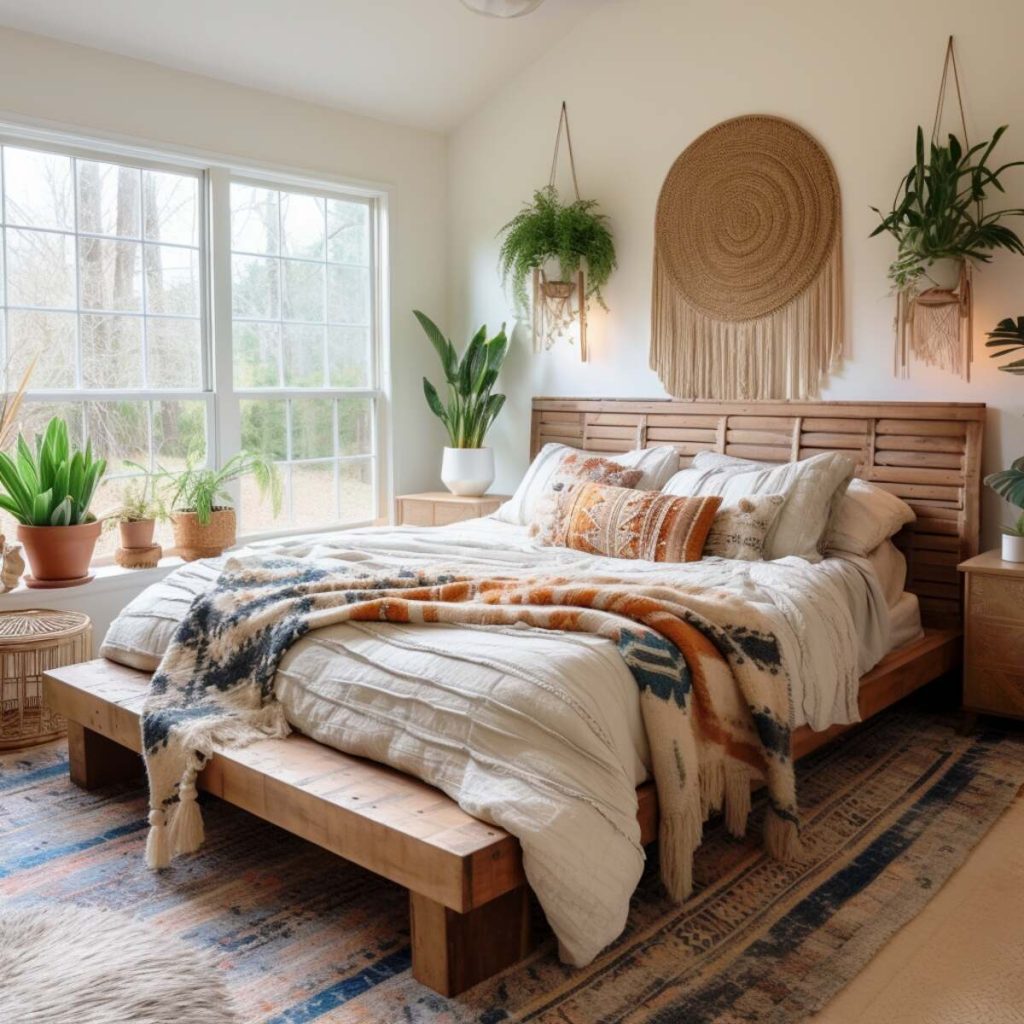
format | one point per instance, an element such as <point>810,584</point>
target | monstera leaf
<point>1008,338</point>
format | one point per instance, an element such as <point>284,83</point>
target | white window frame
<point>223,420</point>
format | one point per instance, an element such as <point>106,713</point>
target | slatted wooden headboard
<point>928,454</point>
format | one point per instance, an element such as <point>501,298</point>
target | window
<point>102,288</point>
<point>107,271</point>
<point>302,317</point>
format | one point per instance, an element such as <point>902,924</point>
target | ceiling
<point>427,63</point>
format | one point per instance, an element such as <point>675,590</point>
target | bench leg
<point>452,952</point>
<point>96,761</point>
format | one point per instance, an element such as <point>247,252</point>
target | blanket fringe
<point>158,848</point>
<point>186,835</point>
<point>679,836</point>
<point>781,837</point>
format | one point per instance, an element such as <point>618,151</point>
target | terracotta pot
<point>60,555</point>
<point>137,533</point>
<point>193,540</point>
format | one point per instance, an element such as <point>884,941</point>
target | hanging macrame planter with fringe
<point>748,292</point>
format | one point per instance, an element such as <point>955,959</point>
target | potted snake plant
<point>49,488</point>
<point>467,467</point>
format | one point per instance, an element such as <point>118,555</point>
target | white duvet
<point>538,732</point>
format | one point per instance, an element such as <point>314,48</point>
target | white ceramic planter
<point>1013,547</point>
<point>942,274</point>
<point>467,471</point>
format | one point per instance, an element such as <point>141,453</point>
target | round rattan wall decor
<point>747,264</point>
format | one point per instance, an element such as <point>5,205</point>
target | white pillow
<point>867,516</point>
<point>811,488</point>
<point>890,567</point>
<point>658,464</point>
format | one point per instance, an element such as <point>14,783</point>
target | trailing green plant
<point>49,484</point>
<point>202,490</point>
<point>471,407</point>
<point>1008,337</point>
<point>1009,484</point>
<point>938,212</point>
<point>548,229</point>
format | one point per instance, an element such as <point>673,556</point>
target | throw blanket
<point>715,700</point>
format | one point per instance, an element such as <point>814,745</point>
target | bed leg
<point>452,952</point>
<point>96,761</point>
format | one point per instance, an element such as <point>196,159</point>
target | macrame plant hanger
<point>557,305</point>
<point>936,325</point>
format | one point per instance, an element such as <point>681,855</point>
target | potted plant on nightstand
<point>467,467</point>
<point>201,513</point>
<point>1009,484</point>
<point>49,489</point>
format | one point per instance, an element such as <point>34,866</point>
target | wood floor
<point>961,960</point>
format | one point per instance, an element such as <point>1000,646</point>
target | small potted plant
<point>938,217</point>
<point>467,466</point>
<point>200,505</point>
<point>550,235</point>
<point>1009,484</point>
<point>49,489</point>
<point>139,510</point>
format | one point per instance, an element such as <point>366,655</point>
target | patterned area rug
<point>889,813</point>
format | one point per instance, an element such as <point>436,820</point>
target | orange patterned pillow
<point>625,523</point>
<point>575,469</point>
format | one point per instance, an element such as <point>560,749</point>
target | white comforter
<point>535,731</point>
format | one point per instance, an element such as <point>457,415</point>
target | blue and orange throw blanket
<point>714,693</point>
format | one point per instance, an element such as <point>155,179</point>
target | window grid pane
<point>302,318</point>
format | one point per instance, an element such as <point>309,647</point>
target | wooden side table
<point>994,639</point>
<point>31,643</point>
<point>438,508</point>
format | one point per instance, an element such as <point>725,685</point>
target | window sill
<point>108,579</point>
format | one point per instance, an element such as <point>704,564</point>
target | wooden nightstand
<point>438,508</point>
<point>994,642</point>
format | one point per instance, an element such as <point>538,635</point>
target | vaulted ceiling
<point>427,63</point>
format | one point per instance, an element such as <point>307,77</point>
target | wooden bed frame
<point>469,902</point>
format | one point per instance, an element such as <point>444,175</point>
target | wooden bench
<point>468,897</point>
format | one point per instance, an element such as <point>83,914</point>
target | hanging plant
<point>573,234</point>
<point>938,212</point>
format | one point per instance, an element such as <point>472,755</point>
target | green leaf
<point>442,346</point>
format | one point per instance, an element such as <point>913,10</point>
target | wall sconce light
<point>558,308</point>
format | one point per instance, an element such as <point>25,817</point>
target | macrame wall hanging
<point>748,292</point>
<point>936,325</point>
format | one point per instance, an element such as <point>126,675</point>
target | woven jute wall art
<point>748,292</point>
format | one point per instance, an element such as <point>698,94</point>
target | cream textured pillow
<point>739,530</point>
<point>811,488</point>
<point>656,466</point>
<point>867,516</point>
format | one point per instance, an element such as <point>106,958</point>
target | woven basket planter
<point>193,540</point>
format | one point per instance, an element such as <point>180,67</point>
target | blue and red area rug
<point>888,814</point>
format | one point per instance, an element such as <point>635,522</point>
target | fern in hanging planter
<point>573,234</point>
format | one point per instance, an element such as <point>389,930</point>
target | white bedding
<point>538,732</point>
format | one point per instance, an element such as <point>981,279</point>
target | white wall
<point>643,78</point>
<point>43,80</point>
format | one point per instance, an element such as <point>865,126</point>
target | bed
<point>468,882</point>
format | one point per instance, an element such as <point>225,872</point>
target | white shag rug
<point>63,964</point>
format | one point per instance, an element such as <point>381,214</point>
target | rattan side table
<point>31,643</point>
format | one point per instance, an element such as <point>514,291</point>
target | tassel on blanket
<point>781,837</point>
<point>187,824</point>
<point>678,836</point>
<point>737,801</point>
<point>158,849</point>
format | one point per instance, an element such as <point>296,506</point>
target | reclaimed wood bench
<point>468,897</point>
